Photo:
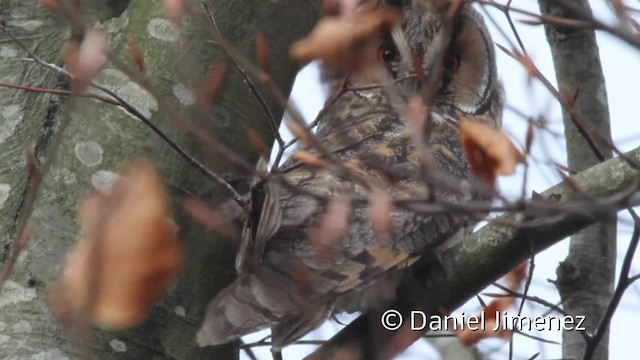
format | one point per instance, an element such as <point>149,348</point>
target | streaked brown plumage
<point>283,282</point>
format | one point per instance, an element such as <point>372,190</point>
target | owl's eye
<point>451,62</point>
<point>387,54</point>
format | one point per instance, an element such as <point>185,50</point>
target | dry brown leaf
<point>490,151</point>
<point>471,337</point>
<point>512,281</point>
<point>345,42</point>
<point>127,254</point>
<point>515,277</point>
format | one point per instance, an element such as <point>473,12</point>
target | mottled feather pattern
<point>284,283</point>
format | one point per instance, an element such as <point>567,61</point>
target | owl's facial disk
<point>461,72</point>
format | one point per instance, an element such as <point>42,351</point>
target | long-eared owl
<point>286,280</point>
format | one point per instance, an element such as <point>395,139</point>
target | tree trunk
<point>99,137</point>
<point>586,277</point>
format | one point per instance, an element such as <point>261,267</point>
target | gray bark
<point>100,137</point>
<point>586,277</point>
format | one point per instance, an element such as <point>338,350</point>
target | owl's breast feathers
<point>291,287</point>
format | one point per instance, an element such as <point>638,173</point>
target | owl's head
<point>454,56</point>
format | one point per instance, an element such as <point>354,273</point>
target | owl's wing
<point>274,298</point>
<point>365,278</point>
<point>352,280</point>
<point>263,222</point>
<point>362,266</point>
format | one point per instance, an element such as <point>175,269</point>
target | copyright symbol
<point>391,320</point>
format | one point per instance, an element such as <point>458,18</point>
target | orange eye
<point>387,54</point>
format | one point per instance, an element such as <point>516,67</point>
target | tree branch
<point>481,258</point>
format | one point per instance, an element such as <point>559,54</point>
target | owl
<point>287,282</point>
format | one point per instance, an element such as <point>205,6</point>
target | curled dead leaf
<point>345,42</point>
<point>488,317</point>
<point>127,254</point>
<point>516,276</point>
<point>489,151</point>
<point>491,314</point>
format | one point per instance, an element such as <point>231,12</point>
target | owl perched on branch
<point>339,237</point>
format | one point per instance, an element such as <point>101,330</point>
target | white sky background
<point>621,66</point>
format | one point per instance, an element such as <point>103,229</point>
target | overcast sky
<point>622,71</point>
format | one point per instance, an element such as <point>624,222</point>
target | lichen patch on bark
<point>103,180</point>
<point>118,345</point>
<point>89,153</point>
<point>10,117</point>
<point>8,52</point>
<point>163,29</point>
<point>13,293</point>
<point>133,93</point>
<point>183,94</point>
<point>4,193</point>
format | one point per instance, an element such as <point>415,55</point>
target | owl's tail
<point>251,304</point>
<point>234,312</point>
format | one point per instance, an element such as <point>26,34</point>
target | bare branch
<point>481,258</point>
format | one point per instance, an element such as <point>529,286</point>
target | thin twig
<point>624,281</point>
